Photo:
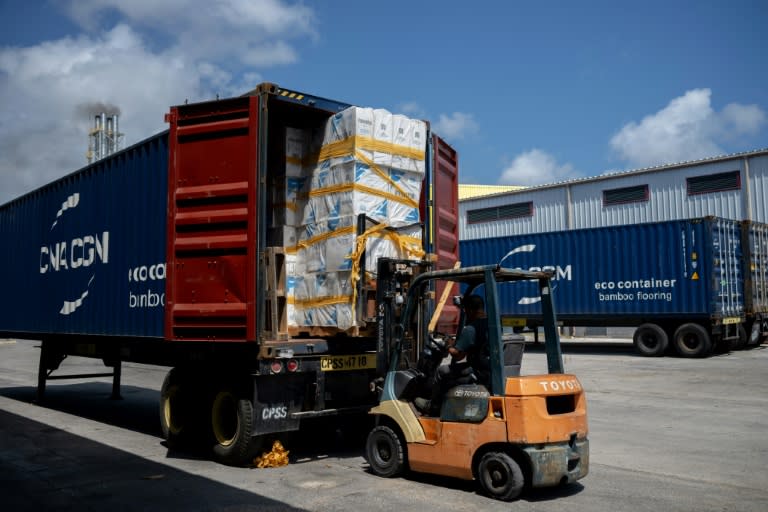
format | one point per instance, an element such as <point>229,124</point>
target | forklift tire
<point>385,453</point>
<point>650,340</point>
<point>232,422</point>
<point>500,476</point>
<point>692,340</point>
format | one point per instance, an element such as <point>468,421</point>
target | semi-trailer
<point>239,248</point>
<point>681,284</point>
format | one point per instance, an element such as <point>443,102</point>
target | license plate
<point>342,363</point>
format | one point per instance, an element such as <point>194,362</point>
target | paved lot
<point>666,435</point>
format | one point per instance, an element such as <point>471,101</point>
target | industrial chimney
<point>105,137</point>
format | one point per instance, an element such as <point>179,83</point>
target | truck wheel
<point>753,334</point>
<point>500,476</point>
<point>740,343</point>
<point>692,340</point>
<point>650,340</point>
<point>385,453</point>
<point>232,422</point>
<point>176,411</point>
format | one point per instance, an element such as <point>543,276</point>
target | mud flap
<point>275,399</point>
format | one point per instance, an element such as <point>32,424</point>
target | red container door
<point>212,228</point>
<point>444,235</point>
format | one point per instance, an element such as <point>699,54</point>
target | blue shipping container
<point>86,254</point>
<point>755,240</point>
<point>687,268</point>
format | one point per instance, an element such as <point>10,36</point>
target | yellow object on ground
<point>273,459</point>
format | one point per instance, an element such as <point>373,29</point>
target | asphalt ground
<point>666,434</point>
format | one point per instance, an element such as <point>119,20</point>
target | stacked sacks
<point>370,162</point>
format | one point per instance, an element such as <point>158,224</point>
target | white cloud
<point>412,109</point>
<point>243,31</point>
<point>535,167</point>
<point>269,54</point>
<point>160,54</point>
<point>742,119</point>
<point>686,129</point>
<point>455,126</point>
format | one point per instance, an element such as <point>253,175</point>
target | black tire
<point>753,337</point>
<point>385,452</point>
<point>500,476</point>
<point>740,343</point>
<point>650,340</point>
<point>232,424</point>
<point>177,418</point>
<point>692,340</point>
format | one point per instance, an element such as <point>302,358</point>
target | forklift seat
<point>513,346</point>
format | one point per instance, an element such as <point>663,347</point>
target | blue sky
<point>527,92</point>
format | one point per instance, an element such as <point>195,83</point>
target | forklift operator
<point>472,344</point>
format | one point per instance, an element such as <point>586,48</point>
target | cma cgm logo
<point>559,272</point>
<point>74,253</point>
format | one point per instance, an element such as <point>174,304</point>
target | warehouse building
<point>733,187</point>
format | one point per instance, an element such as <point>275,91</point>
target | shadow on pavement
<point>45,468</point>
<point>137,411</point>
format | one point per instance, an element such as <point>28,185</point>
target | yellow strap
<point>410,246</point>
<point>294,160</point>
<point>347,146</point>
<point>381,173</point>
<point>320,301</point>
<point>291,205</point>
<point>348,187</point>
<point>354,145</point>
<point>325,236</point>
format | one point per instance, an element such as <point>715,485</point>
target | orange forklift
<point>508,433</point>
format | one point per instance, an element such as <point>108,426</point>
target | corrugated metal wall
<point>579,204</point>
<point>758,183</point>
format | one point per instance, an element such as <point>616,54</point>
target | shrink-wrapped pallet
<point>360,169</point>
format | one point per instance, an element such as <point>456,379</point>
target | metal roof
<point>616,174</point>
<point>468,191</point>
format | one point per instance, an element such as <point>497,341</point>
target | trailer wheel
<point>693,340</point>
<point>752,337</point>
<point>500,476</point>
<point>177,411</point>
<point>742,341</point>
<point>385,453</point>
<point>232,423</point>
<point>650,340</point>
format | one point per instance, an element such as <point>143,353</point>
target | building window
<point>714,183</point>
<point>507,211</point>
<point>625,195</point>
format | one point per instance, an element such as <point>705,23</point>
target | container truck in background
<point>681,284</point>
<point>754,242</point>
<point>238,248</point>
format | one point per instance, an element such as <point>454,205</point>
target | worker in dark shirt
<point>472,344</point>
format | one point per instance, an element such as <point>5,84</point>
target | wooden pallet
<point>276,317</point>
